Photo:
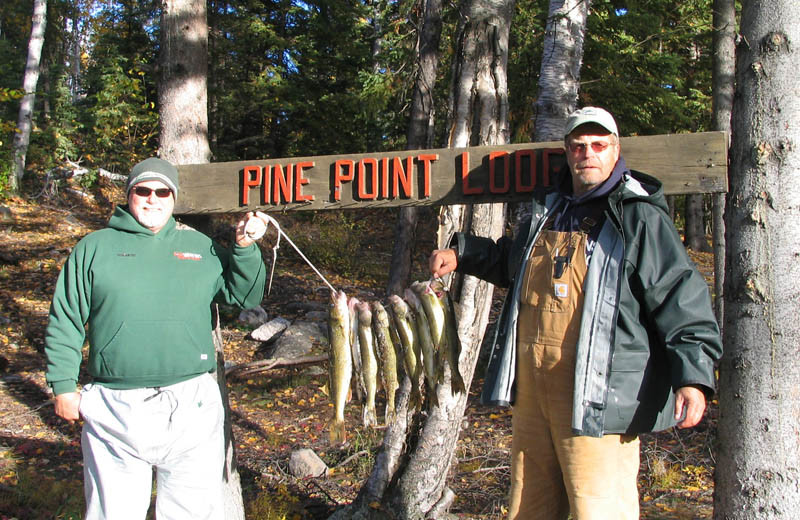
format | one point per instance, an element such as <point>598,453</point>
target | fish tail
<point>390,413</point>
<point>337,432</point>
<point>457,382</point>
<point>415,399</point>
<point>433,399</point>
<point>368,417</point>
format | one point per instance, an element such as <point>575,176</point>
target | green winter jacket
<point>147,301</point>
<point>647,326</point>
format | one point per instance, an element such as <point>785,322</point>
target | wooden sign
<point>685,163</point>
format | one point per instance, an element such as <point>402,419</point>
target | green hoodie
<point>147,300</point>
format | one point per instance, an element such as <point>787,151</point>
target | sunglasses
<point>580,148</point>
<point>144,191</point>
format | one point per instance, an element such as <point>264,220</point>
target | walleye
<point>453,344</point>
<point>357,382</point>
<point>444,331</point>
<point>369,363</point>
<point>340,364</point>
<point>433,311</point>
<point>406,330</point>
<point>387,355</point>
<point>426,343</point>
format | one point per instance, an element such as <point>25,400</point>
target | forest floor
<point>276,412</point>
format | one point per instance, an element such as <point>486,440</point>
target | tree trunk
<point>182,94</point>
<point>695,230</point>
<point>182,98</point>
<point>758,465</point>
<point>232,489</point>
<point>559,76</point>
<point>75,54</point>
<point>408,480</point>
<point>29,81</point>
<point>724,69</point>
<point>420,135</point>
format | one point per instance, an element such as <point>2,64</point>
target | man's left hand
<point>246,236</point>
<point>693,400</point>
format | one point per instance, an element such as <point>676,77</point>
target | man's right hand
<point>67,406</point>
<point>442,262</point>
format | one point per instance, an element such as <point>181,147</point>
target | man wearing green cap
<point>144,286</point>
<point>607,330</point>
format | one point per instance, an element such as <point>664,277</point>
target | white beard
<point>153,219</point>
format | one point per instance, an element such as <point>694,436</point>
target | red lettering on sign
<point>281,184</point>
<point>385,178</point>
<point>465,187</point>
<point>519,185</point>
<point>362,178</point>
<point>251,177</point>
<point>493,187</point>
<point>426,172</point>
<point>300,181</point>
<point>339,177</point>
<point>546,153</point>
<point>402,176</point>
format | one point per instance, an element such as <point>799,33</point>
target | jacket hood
<point>640,186</point>
<point>123,220</point>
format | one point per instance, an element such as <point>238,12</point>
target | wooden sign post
<point>685,163</point>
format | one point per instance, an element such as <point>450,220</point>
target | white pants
<point>176,429</point>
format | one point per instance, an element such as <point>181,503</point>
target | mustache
<point>588,164</point>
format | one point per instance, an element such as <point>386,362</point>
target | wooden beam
<point>685,163</point>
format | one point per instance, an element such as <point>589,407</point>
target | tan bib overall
<point>554,471</point>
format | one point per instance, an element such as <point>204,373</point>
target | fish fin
<point>326,389</point>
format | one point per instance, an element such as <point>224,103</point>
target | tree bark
<point>409,477</point>
<point>559,77</point>
<point>722,80</point>
<point>419,136</point>
<point>758,465</point>
<point>695,229</point>
<point>29,80</point>
<point>232,488</point>
<point>182,94</point>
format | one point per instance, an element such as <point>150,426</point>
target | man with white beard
<point>144,285</point>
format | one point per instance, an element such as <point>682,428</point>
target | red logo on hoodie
<point>188,256</point>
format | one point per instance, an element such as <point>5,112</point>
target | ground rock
<point>305,463</point>
<point>317,315</point>
<point>254,317</point>
<point>6,214</point>
<point>297,340</point>
<point>268,331</point>
<point>305,306</point>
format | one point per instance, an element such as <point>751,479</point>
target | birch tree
<point>30,79</point>
<point>408,479</point>
<point>559,78</point>
<point>758,462</point>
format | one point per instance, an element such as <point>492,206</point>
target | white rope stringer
<point>270,220</point>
